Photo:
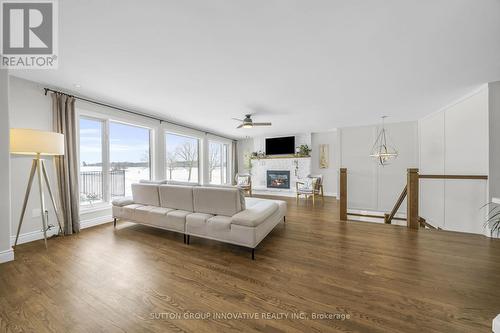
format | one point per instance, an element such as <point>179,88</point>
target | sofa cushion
<point>196,223</point>
<point>256,214</point>
<point>142,213</point>
<point>217,200</point>
<point>176,219</point>
<point>128,211</point>
<point>145,194</point>
<point>122,202</point>
<point>158,217</point>
<point>250,202</point>
<point>218,224</point>
<point>177,197</point>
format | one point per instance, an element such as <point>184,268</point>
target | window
<point>217,163</point>
<point>91,177</point>
<point>182,158</point>
<point>129,157</point>
<point>113,155</point>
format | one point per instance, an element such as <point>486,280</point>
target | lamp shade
<point>31,142</point>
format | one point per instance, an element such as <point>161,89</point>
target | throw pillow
<point>242,180</point>
<point>309,183</point>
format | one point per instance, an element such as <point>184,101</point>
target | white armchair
<point>312,186</point>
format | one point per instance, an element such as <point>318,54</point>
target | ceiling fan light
<point>247,125</point>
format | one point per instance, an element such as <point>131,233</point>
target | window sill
<point>95,208</point>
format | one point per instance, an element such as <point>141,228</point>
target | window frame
<point>225,179</point>
<point>150,142</point>
<point>106,118</point>
<point>166,132</point>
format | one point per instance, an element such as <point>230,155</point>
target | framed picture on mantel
<point>323,156</point>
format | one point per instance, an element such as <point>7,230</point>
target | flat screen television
<point>280,146</point>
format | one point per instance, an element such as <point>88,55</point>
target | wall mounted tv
<point>280,146</point>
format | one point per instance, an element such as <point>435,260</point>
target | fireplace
<point>278,179</point>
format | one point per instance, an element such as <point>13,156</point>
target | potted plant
<point>304,150</point>
<point>493,218</point>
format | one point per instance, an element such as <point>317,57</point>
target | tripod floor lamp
<point>37,143</point>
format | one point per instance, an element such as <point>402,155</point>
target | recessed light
<point>77,85</point>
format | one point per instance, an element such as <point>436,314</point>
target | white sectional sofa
<point>218,213</point>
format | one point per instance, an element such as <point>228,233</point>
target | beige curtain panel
<point>64,121</point>
<point>234,158</point>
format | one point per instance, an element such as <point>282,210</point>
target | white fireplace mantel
<point>299,169</point>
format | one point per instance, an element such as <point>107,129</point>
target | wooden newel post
<point>412,199</point>
<point>343,194</point>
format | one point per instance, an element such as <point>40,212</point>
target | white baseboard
<point>37,235</point>
<point>7,255</point>
<point>95,221</point>
<point>290,194</point>
<point>33,236</point>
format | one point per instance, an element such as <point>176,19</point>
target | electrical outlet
<point>37,212</point>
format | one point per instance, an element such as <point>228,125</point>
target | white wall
<point>494,140</point>
<point>371,186</point>
<point>244,148</point>
<point>454,140</point>
<point>330,174</point>
<point>6,253</point>
<point>28,108</point>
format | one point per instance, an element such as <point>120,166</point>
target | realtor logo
<point>29,34</point>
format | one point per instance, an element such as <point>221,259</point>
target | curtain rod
<point>132,112</point>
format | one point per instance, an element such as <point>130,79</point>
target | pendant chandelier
<point>382,151</point>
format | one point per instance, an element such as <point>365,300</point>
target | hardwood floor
<point>381,278</point>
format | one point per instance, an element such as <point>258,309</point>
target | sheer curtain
<point>64,121</point>
<point>234,160</point>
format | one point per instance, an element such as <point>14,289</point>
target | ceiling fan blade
<point>240,126</point>
<point>262,124</point>
<point>237,119</point>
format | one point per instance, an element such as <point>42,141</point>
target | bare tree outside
<point>214,161</point>
<point>187,155</point>
<point>171,163</point>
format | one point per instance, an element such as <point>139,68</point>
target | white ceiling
<point>306,65</point>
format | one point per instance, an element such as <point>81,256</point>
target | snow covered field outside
<point>135,174</point>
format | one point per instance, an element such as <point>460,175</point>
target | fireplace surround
<point>278,179</point>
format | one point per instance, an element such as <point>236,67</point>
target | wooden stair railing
<point>389,217</point>
<point>410,192</point>
<point>425,224</point>
<point>343,194</point>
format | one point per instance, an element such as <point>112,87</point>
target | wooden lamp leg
<point>26,197</point>
<point>56,211</point>
<point>42,198</point>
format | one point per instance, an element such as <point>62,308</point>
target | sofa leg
<point>184,238</point>
<point>114,222</point>
<point>253,254</point>
<point>284,219</point>
<point>187,239</point>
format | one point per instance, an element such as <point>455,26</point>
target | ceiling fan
<point>248,122</point>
